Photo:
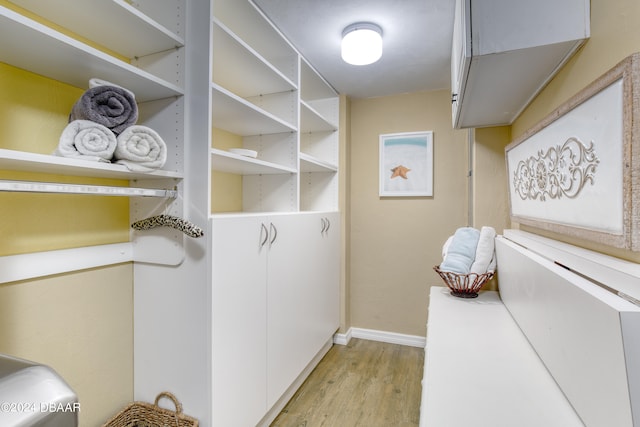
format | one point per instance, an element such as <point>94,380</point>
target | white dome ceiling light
<point>361,43</point>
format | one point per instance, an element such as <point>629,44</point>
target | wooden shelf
<point>311,164</point>
<point>65,59</point>
<point>243,71</point>
<point>237,115</point>
<point>223,161</point>
<point>127,31</point>
<point>44,163</point>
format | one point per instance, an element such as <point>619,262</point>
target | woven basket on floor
<point>141,414</point>
<point>464,285</point>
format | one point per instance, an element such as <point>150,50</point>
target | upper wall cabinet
<point>505,51</point>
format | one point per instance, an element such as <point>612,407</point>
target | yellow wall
<point>226,188</point>
<point>81,325</point>
<point>395,242</point>
<point>33,113</point>
<point>78,323</point>
<point>345,212</point>
<point>614,36</point>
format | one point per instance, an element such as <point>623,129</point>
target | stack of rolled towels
<point>102,127</point>
<point>470,250</point>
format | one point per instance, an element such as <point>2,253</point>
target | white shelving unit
<point>194,66</point>
<point>319,139</point>
<point>257,100</point>
<point>60,57</point>
<point>267,98</point>
<point>264,92</point>
<point>158,86</point>
<point>136,35</point>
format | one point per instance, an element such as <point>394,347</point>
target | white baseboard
<point>382,336</point>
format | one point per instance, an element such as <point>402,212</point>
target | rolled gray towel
<point>111,106</point>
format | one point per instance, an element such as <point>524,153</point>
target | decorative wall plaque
<point>577,172</point>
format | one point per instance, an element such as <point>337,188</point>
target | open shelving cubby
<point>255,104</point>
<point>271,100</point>
<point>319,140</point>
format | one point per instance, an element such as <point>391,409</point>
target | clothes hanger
<point>165,220</point>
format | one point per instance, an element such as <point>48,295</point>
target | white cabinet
<point>239,296</point>
<point>275,303</point>
<point>505,51</point>
<point>302,297</point>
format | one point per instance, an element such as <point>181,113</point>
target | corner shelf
<point>136,35</point>
<point>65,59</point>
<point>223,161</point>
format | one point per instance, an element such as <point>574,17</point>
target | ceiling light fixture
<point>361,43</point>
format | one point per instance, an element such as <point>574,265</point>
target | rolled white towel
<point>485,251</point>
<point>140,149</point>
<point>86,140</point>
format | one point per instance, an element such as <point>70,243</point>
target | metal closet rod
<point>98,190</point>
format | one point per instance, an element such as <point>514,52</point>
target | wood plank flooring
<point>365,383</point>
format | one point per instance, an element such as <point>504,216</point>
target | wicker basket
<point>141,414</point>
<point>464,285</point>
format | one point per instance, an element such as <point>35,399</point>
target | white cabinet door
<point>327,299</point>
<point>303,295</point>
<point>287,307</point>
<point>239,321</point>
<point>275,304</point>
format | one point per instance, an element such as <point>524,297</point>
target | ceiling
<point>416,42</point>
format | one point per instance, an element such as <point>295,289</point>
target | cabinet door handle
<point>328,225</point>
<point>324,225</point>
<point>263,232</point>
<point>454,98</point>
<point>274,233</point>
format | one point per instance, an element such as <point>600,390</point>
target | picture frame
<point>406,164</point>
<point>577,172</point>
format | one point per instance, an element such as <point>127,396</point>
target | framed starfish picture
<point>406,164</point>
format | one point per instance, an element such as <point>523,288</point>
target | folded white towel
<point>485,251</point>
<point>140,149</point>
<point>86,140</point>
<point>461,252</point>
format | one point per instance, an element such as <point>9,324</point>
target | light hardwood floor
<point>365,383</point>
